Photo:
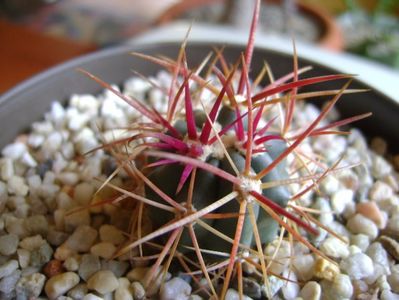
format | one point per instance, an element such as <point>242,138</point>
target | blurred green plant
<point>375,33</point>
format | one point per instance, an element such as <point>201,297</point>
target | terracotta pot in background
<point>330,34</point>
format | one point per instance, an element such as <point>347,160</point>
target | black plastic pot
<point>28,101</point>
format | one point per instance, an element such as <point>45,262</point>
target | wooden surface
<point>24,53</point>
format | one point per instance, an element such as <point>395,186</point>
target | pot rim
<point>331,35</point>
<point>373,74</point>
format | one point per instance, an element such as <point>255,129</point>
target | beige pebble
<point>72,263</point>
<point>83,193</point>
<point>76,217</point>
<point>390,245</point>
<point>104,249</point>
<point>380,191</point>
<point>91,296</point>
<point>124,291</point>
<point>325,269</point>
<point>63,252</point>
<point>142,274</point>
<point>103,281</point>
<point>371,211</point>
<point>379,145</point>
<point>111,234</point>
<point>32,243</point>
<point>138,290</point>
<point>311,291</point>
<point>60,284</point>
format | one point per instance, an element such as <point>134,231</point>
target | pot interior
<point>28,101</point>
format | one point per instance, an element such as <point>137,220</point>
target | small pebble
<point>103,282</point>
<point>91,296</point>
<point>334,247</point>
<point>41,256</point>
<point>380,191</point>
<point>393,225</point>
<point>234,295</point>
<point>393,279</point>
<point>379,256</point>
<point>8,244</point>
<point>23,257</point>
<point>311,291</point>
<point>111,234</point>
<point>380,167</point>
<point>56,238</point>
<point>290,289</point>
<point>105,250</point>
<point>8,283</point>
<point>371,211</point>
<point>60,284</point>
<point>379,146</point>
<point>123,291</point>
<point>304,266</point>
<point>388,295</point>
<point>32,243</point>
<point>360,240</point>
<point>281,259</point>
<point>359,287</point>
<point>117,267</point>
<point>340,288</point>
<point>16,226</point>
<point>6,169</point>
<point>14,151</point>
<point>16,186</point>
<point>325,269</point>
<point>72,263</point>
<point>77,216</point>
<point>89,265</point>
<point>175,288</point>
<point>63,252</point>
<point>391,245</point>
<point>8,268</point>
<point>340,199</point>
<point>138,290</point>
<point>82,238</point>
<point>52,268</point>
<point>78,292</point>
<point>329,185</point>
<point>84,192</point>
<point>360,224</point>
<point>37,225</point>
<point>30,286</point>
<point>357,266</point>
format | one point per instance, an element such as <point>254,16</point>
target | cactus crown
<point>211,175</point>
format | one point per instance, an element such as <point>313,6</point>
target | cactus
<point>212,178</point>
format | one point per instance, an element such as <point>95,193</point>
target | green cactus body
<point>208,188</point>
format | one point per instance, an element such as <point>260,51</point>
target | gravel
<point>55,245</point>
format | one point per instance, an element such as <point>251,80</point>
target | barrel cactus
<point>211,175</point>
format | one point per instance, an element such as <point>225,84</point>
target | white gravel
<point>45,190</point>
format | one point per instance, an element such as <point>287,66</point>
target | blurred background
<point>37,34</point>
